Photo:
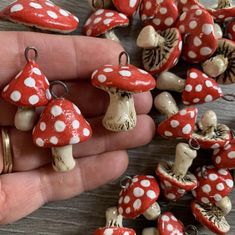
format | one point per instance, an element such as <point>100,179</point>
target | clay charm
<point>127,7</point>
<point>28,90</point>
<point>61,125</point>
<point>231,30</point>
<point>121,82</point>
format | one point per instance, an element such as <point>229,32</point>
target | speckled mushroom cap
<point>199,88</point>
<point>205,215</point>
<point>60,124</point>
<point>124,77</point>
<point>41,14</point>
<point>160,14</point>
<point>179,125</point>
<point>102,21</point>
<point>127,7</point>
<point>224,157</point>
<point>186,5</point>
<point>170,192</point>
<point>166,55</point>
<point>138,195</point>
<point>231,30</point>
<point>30,88</point>
<point>169,225</point>
<point>166,174</point>
<point>213,184</point>
<point>114,231</point>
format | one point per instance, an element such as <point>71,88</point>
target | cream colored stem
<point>113,219</point>
<point>25,119</point>
<point>183,159</point>
<point>112,36</point>
<point>215,66</point>
<point>153,212</point>
<point>218,31</point>
<point>121,114</point>
<point>149,38</point>
<point>225,205</point>
<point>171,82</point>
<point>209,123</point>
<point>150,231</point>
<point>165,103</point>
<point>63,158</point>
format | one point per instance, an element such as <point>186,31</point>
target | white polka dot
<point>218,160</point>
<point>108,70</point>
<point>102,78</point>
<point>143,71</point>
<point>198,12</point>
<point>59,126</point>
<point>137,204</point>
<point>145,183</point>
<point>122,15</point>
<point>157,21</point>
<point>223,172</point>
<point>37,71</point>
<point>205,51</point>
<point>215,146</point>
<point>197,41</point>
<point>48,94</point>
<point>17,7</point>
<point>6,88</point>
<point>43,126</point>
<point>107,21</point>
<point>151,194</point>
<point>187,129</point>
<point>220,186</point>
<point>15,96</point>
<point>89,32</point>
<point>120,200</point>
<point>35,5</point>
<point>49,3</point>
<point>64,13</point>
<point>207,29</point>
<point>193,75</point>
<point>208,98</point>
<point>231,155</point>
<point>132,3</point>
<point>182,28</point>
<point>198,88</point>
<point>143,17</point>
<point>52,14</point>
<point>138,192</point>
<point>163,10</point>
<point>99,12</point>
<point>174,123</point>
<point>39,142</point>
<point>168,133</point>
<point>126,199</point>
<point>206,188</point>
<point>209,83</point>
<point>227,147</point>
<point>188,88</point>
<point>169,21</point>
<point>216,151</point>
<point>87,23</point>
<point>192,54</point>
<point>165,218</point>
<point>171,196</point>
<point>213,177</point>
<point>125,73</point>
<point>109,14</point>
<point>86,132</point>
<point>205,200</point>
<point>34,99</point>
<point>193,24</point>
<point>229,183</point>
<point>74,140</point>
<point>169,227</point>
<point>76,124</point>
<point>56,110</point>
<point>108,231</point>
<point>196,100</point>
<point>217,197</point>
<point>183,112</point>
<point>128,210</point>
<point>233,28</point>
<point>54,140</point>
<point>148,5</point>
<point>183,16</point>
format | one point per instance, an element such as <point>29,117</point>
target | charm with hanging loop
<point>229,97</point>
<point>194,144</point>
<point>100,4</point>
<point>124,181</point>
<point>27,54</point>
<point>127,57</point>
<point>58,83</point>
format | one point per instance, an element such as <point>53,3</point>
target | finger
<point>60,57</point>
<point>34,188</point>
<point>27,156</point>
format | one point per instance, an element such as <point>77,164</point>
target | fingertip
<point>143,102</point>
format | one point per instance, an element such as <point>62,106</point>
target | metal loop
<point>94,5</point>
<point>124,181</point>
<point>27,56</point>
<point>192,228</point>
<point>194,144</point>
<point>56,83</point>
<point>229,97</point>
<point>124,53</point>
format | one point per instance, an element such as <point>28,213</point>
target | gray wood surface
<point>84,213</point>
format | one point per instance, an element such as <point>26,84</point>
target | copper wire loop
<point>7,152</point>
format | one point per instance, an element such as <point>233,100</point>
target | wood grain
<point>83,214</point>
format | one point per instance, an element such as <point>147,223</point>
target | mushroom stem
<point>171,82</point>
<point>25,118</point>
<point>215,66</point>
<point>121,114</point>
<point>183,159</point>
<point>113,219</point>
<point>111,35</point>
<point>63,158</point>
<point>153,212</point>
<point>225,205</point>
<point>218,31</point>
<point>149,38</point>
<point>165,103</point>
<point>209,123</point>
<point>150,231</point>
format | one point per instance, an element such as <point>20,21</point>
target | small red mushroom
<point>114,224</point>
<point>161,51</point>
<point>210,133</point>
<point>61,125</point>
<point>231,30</point>
<point>186,5</point>
<point>172,193</point>
<point>41,14</point>
<point>28,90</point>
<point>197,88</point>
<point>138,197</point>
<point>127,7</point>
<point>179,124</point>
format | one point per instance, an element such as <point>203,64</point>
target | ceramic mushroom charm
<point>174,176</point>
<point>178,124</point>
<point>198,32</point>
<point>121,82</point>
<point>127,7</point>
<point>161,51</point>
<point>114,224</point>
<point>220,66</point>
<point>60,126</point>
<point>138,197</point>
<point>210,133</point>
<point>42,14</point>
<point>197,88</point>
<point>28,90</point>
<point>231,30</point>
<point>212,202</point>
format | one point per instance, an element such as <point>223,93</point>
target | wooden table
<point>84,213</point>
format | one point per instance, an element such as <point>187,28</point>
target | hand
<point>102,159</point>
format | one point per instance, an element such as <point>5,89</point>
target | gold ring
<point>7,151</point>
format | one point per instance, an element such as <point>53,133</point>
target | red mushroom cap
<point>114,231</point>
<point>30,88</point>
<point>213,184</point>
<point>224,157</point>
<point>127,78</point>
<point>180,125</point>
<point>199,88</point>
<point>197,28</point>
<point>231,30</point>
<point>222,15</point>
<point>160,14</point>
<point>127,7</point>
<point>139,194</point>
<point>60,124</point>
<point>208,219</point>
<point>186,5</point>
<point>103,20</point>
<point>41,14</point>
<point>168,224</point>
